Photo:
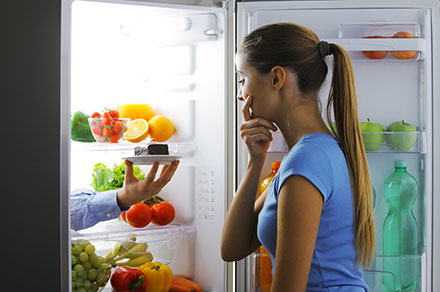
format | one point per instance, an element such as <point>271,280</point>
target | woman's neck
<point>299,119</point>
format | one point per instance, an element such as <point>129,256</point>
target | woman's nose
<point>240,96</point>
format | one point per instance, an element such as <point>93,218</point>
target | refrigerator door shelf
<point>383,44</point>
<point>378,277</point>
<point>401,142</point>
<point>384,29</point>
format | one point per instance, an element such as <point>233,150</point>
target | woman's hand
<point>134,190</point>
<point>255,132</point>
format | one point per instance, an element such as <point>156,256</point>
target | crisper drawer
<point>170,244</point>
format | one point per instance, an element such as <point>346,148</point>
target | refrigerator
<point>178,56</point>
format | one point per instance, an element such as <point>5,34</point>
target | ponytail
<point>342,99</point>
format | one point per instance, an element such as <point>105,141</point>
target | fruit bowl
<point>108,130</point>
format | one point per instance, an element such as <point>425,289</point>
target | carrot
<point>179,288</point>
<point>180,279</point>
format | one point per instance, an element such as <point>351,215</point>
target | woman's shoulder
<point>317,147</point>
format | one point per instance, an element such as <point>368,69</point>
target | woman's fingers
<point>246,108</point>
<point>255,138</point>
<point>256,131</point>
<point>258,122</point>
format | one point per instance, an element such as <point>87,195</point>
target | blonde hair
<point>296,47</point>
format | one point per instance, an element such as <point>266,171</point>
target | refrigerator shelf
<point>379,278</point>
<point>397,142</point>
<point>391,142</point>
<point>184,149</point>
<point>382,44</point>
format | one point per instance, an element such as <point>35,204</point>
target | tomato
<point>139,215</point>
<point>375,54</point>
<point>114,114</point>
<point>124,216</point>
<point>163,213</point>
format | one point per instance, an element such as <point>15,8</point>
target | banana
<point>138,260</point>
<point>126,245</point>
<point>132,252</point>
<point>115,250</point>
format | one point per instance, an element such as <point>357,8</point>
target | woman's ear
<point>278,75</point>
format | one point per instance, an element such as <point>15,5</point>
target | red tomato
<point>124,216</point>
<point>114,114</point>
<point>139,215</point>
<point>375,54</point>
<point>163,213</point>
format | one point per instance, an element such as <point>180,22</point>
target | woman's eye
<point>241,81</point>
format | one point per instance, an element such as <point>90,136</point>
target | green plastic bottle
<point>400,231</point>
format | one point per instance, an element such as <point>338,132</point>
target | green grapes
<point>83,257</point>
<point>89,249</point>
<point>90,272</point>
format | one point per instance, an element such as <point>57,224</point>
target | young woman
<point>316,219</point>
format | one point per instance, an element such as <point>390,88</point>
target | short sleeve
<point>312,163</point>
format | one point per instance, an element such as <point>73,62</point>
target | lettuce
<point>105,179</point>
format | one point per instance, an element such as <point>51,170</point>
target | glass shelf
<point>161,240</point>
<point>185,149</point>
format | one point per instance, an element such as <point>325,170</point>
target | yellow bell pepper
<point>157,276</point>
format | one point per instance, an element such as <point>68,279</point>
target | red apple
<point>404,55</point>
<point>375,54</point>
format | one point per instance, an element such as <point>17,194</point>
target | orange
<point>135,111</point>
<point>161,128</point>
<point>137,131</point>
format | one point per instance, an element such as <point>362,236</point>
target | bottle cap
<point>400,163</point>
<point>276,165</point>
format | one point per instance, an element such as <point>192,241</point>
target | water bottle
<point>400,235</point>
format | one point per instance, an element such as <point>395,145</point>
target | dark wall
<point>29,131</point>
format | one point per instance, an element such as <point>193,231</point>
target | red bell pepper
<point>126,279</point>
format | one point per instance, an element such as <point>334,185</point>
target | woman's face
<point>251,83</point>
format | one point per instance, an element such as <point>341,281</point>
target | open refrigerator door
<point>394,83</point>
<point>172,57</point>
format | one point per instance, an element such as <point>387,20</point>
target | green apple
<point>372,134</point>
<point>401,141</point>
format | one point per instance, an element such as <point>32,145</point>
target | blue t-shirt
<point>318,158</point>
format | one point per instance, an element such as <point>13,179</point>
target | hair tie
<point>324,49</point>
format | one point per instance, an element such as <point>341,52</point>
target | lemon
<point>137,131</point>
<point>161,128</point>
<point>135,111</point>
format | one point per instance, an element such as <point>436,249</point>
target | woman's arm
<point>239,238</point>
<point>299,212</point>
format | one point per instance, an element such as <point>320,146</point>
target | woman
<point>316,219</point>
